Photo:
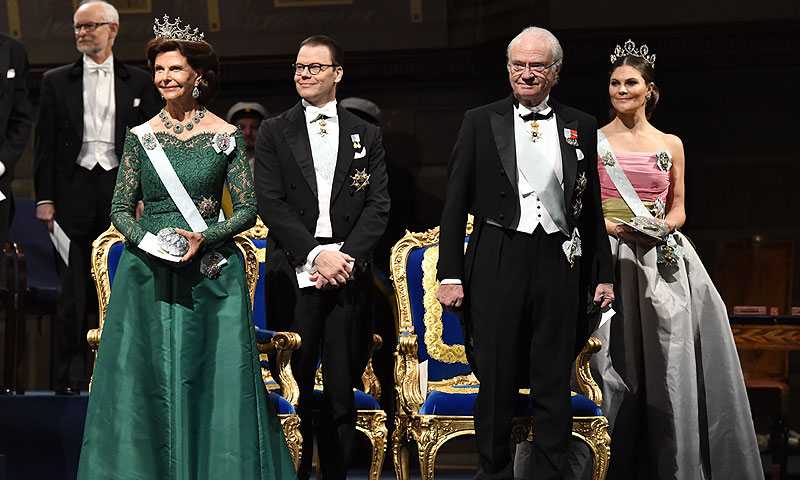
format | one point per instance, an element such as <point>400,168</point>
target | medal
<point>608,160</point>
<point>360,180</point>
<point>207,207</point>
<point>536,135</point>
<point>356,141</point>
<point>211,264</point>
<point>322,130</point>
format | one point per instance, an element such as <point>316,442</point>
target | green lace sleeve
<point>243,197</point>
<point>127,191</point>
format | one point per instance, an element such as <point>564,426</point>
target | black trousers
<point>83,206</point>
<point>335,327</point>
<point>520,321</point>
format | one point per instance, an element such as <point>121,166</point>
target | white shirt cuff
<point>42,202</point>
<point>450,281</point>
<point>312,255</point>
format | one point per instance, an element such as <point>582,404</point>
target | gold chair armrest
<point>371,384</point>
<point>282,345</point>
<point>406,375</point>
<point>93,337</point>
<point>583,372</point>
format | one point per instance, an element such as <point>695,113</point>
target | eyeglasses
<point>89,27</point>
<point>313,69</point>
<point>519,67</point>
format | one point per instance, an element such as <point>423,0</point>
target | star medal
<point>608,160</point>
<point>536,135</point>
<point>571,136</point>
<point>356,141</point>
<point>208,207</point>
<point>322,130</point>
<point>360,180</point>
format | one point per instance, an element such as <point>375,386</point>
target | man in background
<point>83,112</point>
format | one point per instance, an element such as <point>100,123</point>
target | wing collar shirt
<point>322,124</point>
<point>532,211</point>
<point>99,111</point>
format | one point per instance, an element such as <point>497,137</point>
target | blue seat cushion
<point>281,405</point>
<point>364,401</point>
<point>459,401</point>
<point>263,335</point>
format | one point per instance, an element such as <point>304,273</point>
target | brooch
<point>356,141</point>
<point>360,180</point>
<point>211,264</point>
<point>658,209</point>
<point>207,207</point>
<point>149,141</point>
<point>664,159</point>
<point>577,208</point>
<point>172,242</point>
<point>571,136</point>
<point>580,184</point>
<point>608,160</point>
<point>223,143</point>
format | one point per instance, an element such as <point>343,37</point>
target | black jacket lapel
<point>569,159</point>
<point>502,121</point>
<point>296,133</point>
<point>344,158</point>
<point>73,96</point>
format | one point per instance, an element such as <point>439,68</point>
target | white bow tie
<point>104,67</point>
<point>329,110</point>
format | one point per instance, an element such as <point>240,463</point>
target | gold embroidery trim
<point>434,327</point>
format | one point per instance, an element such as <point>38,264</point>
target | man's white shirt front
<point>99,112</point>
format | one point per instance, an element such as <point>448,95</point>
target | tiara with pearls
<point>629,49</point>
<point>172,31</point>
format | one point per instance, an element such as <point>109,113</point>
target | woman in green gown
<point>177,390</point>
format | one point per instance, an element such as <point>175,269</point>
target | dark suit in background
<point>82,197</point>
<point>15,121</point>
<point>335,324</point>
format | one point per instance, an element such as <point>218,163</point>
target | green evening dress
<point>177,392</point>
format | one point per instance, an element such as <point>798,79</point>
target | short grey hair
<point>558,53</point>
<point>110,14</point>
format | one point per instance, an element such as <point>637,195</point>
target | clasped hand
<point>333,269</point>
<point>195,242</point>
<point>628,234</point>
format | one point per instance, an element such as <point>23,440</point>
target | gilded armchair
<point>106,251</point>
<point>370,418</point>
<point>430,346</point>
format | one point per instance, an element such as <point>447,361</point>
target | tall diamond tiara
<point>629,49</point>
<point>172,31</point>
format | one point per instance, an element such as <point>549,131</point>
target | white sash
<point>621,181</point>
<point>169,178</point>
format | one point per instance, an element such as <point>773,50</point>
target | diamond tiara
<point>172,31</point>
<point>629,49</point>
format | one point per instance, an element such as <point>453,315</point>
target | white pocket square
<point>136,102</point>
<point>361,154</point>
<point>11,73</point>
<point>580,155</point>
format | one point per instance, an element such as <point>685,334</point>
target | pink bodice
<point>642,170</point>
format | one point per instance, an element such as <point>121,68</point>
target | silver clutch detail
<point>650,226</point>
<point>172,242</point>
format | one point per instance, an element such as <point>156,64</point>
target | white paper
<point>150,245</point>
<point>606,316</point>
<point>304,277</point>
<point>2,197</point>
<point>60,241</point>
<point>423,378</point>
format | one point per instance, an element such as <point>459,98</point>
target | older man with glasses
<point>322,191</point>
<point>526,168</point>
<point>83,112</point>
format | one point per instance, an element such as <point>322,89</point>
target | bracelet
<point>617,231</point>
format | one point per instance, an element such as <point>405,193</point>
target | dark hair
<point>337,54</point>
<point>648,74</point>
<point>199,55</point>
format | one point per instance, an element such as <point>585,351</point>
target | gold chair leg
<point>593,431</point>
<point>399,450</point>
<point>294,439</point>
<point>372,423</point>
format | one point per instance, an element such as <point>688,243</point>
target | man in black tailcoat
<point>526,168</point>
<point>84,110</point>
<point>322,191</point>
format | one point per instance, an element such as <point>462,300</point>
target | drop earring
<point>195,92</point>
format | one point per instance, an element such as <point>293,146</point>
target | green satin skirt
<point>177,392</point>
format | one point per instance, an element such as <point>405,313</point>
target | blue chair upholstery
<point>106,252</point>
<point>370,419</point>
<point>431,346</point>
